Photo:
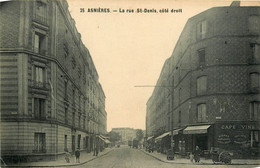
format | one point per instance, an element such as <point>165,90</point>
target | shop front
<point>163,142</point>
<point>240,137</point>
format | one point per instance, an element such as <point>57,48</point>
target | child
<point>191,157</point>
<point>67,156</point>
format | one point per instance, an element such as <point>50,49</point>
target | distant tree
<point>114,136</point>
<point>139,134</point>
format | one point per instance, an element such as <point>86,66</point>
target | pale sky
<point>129,49</point>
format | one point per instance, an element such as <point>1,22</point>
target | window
<point>201,30</point>
<point>73,97</point>
<point>84,123</point>
<point>79,138</point>
<point>255,139</point>
<point>39,108</point>
<point>254,24</point>
<point>66,90</point>
<point>41,12</point>
<point>254,110</point>
<point>39,142</point>
<point>66,51</point>
<point>254,80</point>
<point>65,142</point>
<point>79,103</point>
<point>179,118</point>
<point>38,79</point>
<point>66,115</point>
<point>255,54</point>
<point>201,55</point>
<point>39,43</point>
<point>201,85</point>
<point>73,119</point>
<point>202,113</point>
<point>79,120</point>
<point>180,94</point>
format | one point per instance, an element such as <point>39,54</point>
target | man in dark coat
<point>197,154</point>
<point>77,154</point>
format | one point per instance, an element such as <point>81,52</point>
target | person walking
<point>67,156</point>
<point>77,154</point>
<point>197,154</point>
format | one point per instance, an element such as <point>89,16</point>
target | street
<point>125,157</point>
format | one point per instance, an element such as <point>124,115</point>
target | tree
<point>114,136</point>
<point>139,134</point>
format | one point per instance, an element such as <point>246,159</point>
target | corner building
<point>51,98</point>
<point>211,98</point>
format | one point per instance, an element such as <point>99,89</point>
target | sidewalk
<point>179,160</point>
<point>84,158</point>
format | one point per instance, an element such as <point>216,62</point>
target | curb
<point>65,165</point>
<point>192,163</point>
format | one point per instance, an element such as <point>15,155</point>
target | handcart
<point>220,156</point>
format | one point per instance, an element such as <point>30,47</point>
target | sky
<point>129,49</point>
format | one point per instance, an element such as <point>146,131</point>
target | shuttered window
<point>202,113</point>
<point>39,142</point>
<point>201,85</point>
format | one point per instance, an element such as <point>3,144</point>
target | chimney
<point>235,4</point>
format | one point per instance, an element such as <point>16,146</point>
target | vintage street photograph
<point>130,83</point>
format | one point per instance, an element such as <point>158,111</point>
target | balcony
<point>39,85</point>
<point>40,19</point>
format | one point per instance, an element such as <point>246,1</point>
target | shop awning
<point>104,139</point>
<point>200,129</point>
<point>149,138</point>
<point>161,136</point>
<point>176,132</point>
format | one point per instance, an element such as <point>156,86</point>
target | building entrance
<point>201,141</point>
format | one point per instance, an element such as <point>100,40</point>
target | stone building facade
<point>208,90</point>
<point>51,98</point>
<point>127,134</point>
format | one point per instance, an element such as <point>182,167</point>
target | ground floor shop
<point>241,138</point>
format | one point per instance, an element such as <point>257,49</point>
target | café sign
<point>236,127</point>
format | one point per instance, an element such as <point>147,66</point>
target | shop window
<point>255,53</point>
<point>201,57</point>
<point>201,30</point>
<point>254,109</point>
<point>201,85</point>
<point>39,43</point>
<point>39,108</point>
<point>255,139</point>
<point>254,81</point>
<point>65,142</point>
<point>39,143</point>
<point>202,113</point>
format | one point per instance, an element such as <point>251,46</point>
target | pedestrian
<point>77,154</point>
<point>191,157</point>
<point>197,155</point>
<point>67,156</point>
